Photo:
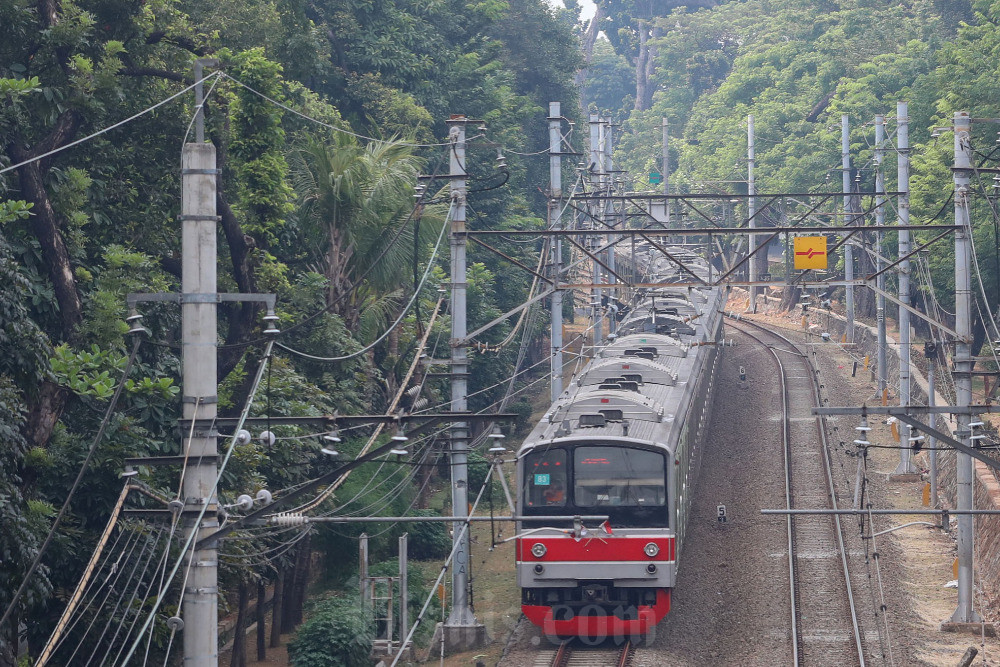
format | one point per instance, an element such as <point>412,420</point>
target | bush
<point>430,540</point>
<point>338,633</point>
<point>522,423</point>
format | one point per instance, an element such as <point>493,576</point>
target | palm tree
<point>355,203</point>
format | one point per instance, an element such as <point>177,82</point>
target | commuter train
<point>623,441</point>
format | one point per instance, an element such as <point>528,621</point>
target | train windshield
<point>625,483</point>
<point>545,475</point>
<point>618,477</point>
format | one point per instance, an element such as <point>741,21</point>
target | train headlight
<point>538,549</point>
<point>651,549</point>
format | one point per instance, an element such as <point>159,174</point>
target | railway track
<point>824,619</point>
<point>568,654</point>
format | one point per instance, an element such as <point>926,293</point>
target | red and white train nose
<point>598,585</point>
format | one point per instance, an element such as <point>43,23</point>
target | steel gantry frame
<point>607,212</point>
<point>593,206</point>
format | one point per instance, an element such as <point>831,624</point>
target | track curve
<point>824,619</point>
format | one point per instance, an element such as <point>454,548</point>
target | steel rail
<point>565,656</point>
<point>827,467</point>
<point>786,451</point>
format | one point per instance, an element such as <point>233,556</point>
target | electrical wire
<point>459,541</point>
<point>117,573</point>
<point>85,579</point>
<point>416,294</point>
<point>76,484</point>
<point>322,123</point>
<point>108,128</point>
<point>199,109</point>
<point>189,543</point>
<point>103,578</point>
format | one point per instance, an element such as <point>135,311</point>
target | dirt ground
<point>918,558</point>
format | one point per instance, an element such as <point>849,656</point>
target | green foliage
<point>609,85</point>
<point>87,372</point>
<point>428,540</point>
<point>395,69</point>
<point>338,633</point>
<point>257,144</point>
<point>13,87</point>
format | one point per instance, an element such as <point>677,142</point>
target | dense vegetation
<point>323,217</point>
<point>797,66</point>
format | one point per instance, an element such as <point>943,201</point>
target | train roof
<point>604,368</point>
<point>658,345</point>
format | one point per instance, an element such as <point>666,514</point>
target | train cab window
<point>618,476</point>
<point>545,478</point>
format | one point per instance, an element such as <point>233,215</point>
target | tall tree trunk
<point>277,603</point>
<point>48,406</point>
<point>242,317</point>
<point>288,597</point>
<point>261,619</point>
<point>46,409</point>
<point>46,228</point>
<point>239,657</point>
<point>302,571</point>
<point>641,83</point>
<point>651,53</point>
<point>589,39</point>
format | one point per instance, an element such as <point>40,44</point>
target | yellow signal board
<point>810,252</point>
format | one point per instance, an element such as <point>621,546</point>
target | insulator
<point>289,519</point>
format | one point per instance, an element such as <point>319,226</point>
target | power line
<point>416,294</point>
<point>75,485</point>
<point>109,128</point>
<point>322,123</point>
<point>204,508</point>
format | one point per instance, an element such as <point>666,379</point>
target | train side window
<point>545,478</point>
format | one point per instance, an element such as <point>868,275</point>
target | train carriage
<point>622,442</point>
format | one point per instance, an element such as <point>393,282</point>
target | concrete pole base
<point>458,638</point>
<point>969,628</point>
<point>904,476</point>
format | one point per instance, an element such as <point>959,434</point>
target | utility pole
<point>905,466</point>
<point>963,365</point>
<point>610,216</point>
<point>597,182</point>
<point>461,631</point>
<point>199,336</point>
<point>666,168</point>
<point>845,142</point>
<point>881,371</point>
<point>752,211</point>
<point>930,351</point>
<point>555,246</point>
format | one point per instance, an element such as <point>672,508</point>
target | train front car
<point>621,442</point>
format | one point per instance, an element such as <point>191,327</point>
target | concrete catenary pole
<point>963,365</point>
<point>752,211</point>
<point>881,369</point>
<point>597,211</point>
<point>931,441</point>
<point>555,246</point>
<point>905,466</point>
<point>611,216</point>
<point>404,594</point>
<point>461,616</point>
<point>666,168</point>
<point>199,336</point>
<point>845,154</point>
